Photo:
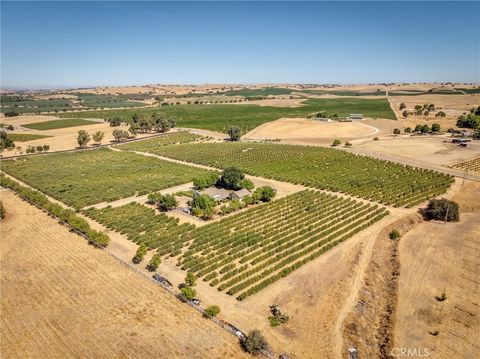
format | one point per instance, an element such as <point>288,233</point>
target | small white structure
<point>240,194</point>
<point>356,116</point>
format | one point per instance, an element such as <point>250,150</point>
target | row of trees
<point>435,128</point>
<point>83,138</point>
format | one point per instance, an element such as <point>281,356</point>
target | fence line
<point>222,324</point>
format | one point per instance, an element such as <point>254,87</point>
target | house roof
<point>241,193</point>
<point>218,194</point>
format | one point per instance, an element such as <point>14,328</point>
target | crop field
<point>222,117</point>
<point>164,140</point>
<point>107,101</point>
<point>472,165</point>
<point>88,177</point>
<point>141,225</point>
<point>267,91</point>
<point>322,168</point>
<point>55,124</point>
<point>245,253</point>
<point>345,93</point>
<point>24,137</point>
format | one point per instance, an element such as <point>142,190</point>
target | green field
<point>247,117</point>
<point>88,177</point>
<point>245,253</point>
<point>23,137</point>
<point>150,145</point>
<point>318,167</point>
<point>344,92</point>
<point>267,91</point>
<point>470,90</point>
<point>62,123</point>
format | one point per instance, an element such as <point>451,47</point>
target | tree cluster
<point>254,342</point>
<point>442,210</point>
<point>165,202</point>
<point>469,121</point>
<point>5,141</point>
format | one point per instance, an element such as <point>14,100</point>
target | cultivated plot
<point>472,165</point>
<point>92,176</point>
<point>245,253</point>
<point>246,117</point>
<point>164,140</point>
<point>322,168</point>
<point>61,123</point>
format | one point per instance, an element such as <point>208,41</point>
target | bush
<point>442,210</point>
<point>396,131</point>
<point>83,138</point>
<point>11,114</point>
<point>348,144</point>
<point>407,130</point>
<point>202,206</point>
<point>336,143</point>
<point>154,262</point>
<point>167,202</point>
<point>188,293</point>
<point>394,234</point>
<point>141,251</point>
<point>264,194</point>
<point>235,133</point>
<point>470,121</point>
<point>208,180</point>
<point>435,127</point>
<point>190,280</point>
<point>212,311</point>
<point>2,210</point>
<point>254,342</point>
<point>247,184</point>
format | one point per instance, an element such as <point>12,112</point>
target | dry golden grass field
<point>64,299</point>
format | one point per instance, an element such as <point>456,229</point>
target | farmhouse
<point>218,194</point>
<point>240,194</point>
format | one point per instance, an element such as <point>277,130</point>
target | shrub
<point>264,194</point>
<point>5,141</point>
<point>394,234</point>
<point>336,142</point>
<point>254,342</point>
<point>470,121</point>
<point>405,114</point>
<point>396,131</point>
<point>402,106</point>
<point>83,138</point>
<point>202,206</point>
<point>190,280</point>
<point>208,180</point>
<point>212,311</point>
<point>141,251</point>
<point>2,210</point>
<point>188,293</point>
<point>154,262</point>
<point>407,130</point>
<point>247,184</point>
<point>167,202</point>
<point>348,144</point>
<point>11,114</point>
<point>435,127</point>
<point>441,209</point>
<point>235,133</point>
<point>442,297</point>
<point>376,139</point>
<point>440,114</point>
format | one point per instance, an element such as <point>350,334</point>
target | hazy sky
<point>114,43</point>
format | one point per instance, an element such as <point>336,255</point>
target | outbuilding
<point>240,194</point>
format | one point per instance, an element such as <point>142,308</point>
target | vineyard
<point>220,117</point>
<point>321,168</point>
<point>164,140</point>
<point>245,253</point>
<point>470,165</point>
<point>141,225</point>
<point>88,177</point>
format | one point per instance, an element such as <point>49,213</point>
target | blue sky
<point>53,44</point>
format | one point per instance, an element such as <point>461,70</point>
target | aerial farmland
<point>278,217</point>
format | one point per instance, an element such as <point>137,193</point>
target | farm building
<point>218,194</point>
<point>240,194</point>
<point>356,116</point>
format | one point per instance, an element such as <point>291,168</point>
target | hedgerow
<point>66,215</point>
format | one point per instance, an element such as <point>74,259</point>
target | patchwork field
<point>61,123</point>
<point>322,168</point>
<point>92,176</point>
<point>221,117</point>
<point>61,298</point>
<point>245,253</point>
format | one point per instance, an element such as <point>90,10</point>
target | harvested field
<point>91,176</point>
<point>61,298</point>
<point>437,257</point>
<point>298,130</point>
<point>432,150</point>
